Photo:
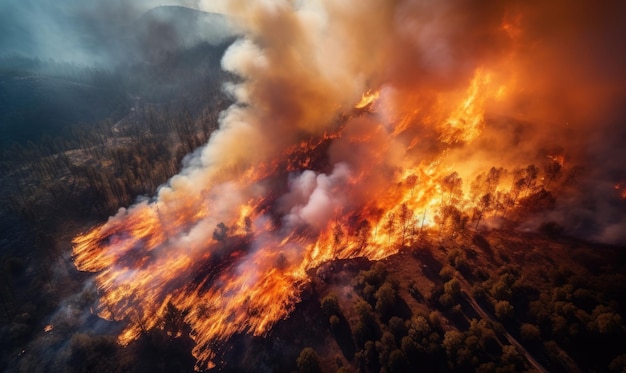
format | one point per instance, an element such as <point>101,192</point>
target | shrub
<point>504,310</point>
<point>330,305</point>
<point>308,361</point>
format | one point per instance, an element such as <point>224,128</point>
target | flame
<point>231,249</point>
<point>367,99</point>
<point>558,158</point>
<point>238,266</point>
<point>465,122</point>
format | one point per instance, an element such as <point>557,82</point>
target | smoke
<point>464,86</point>
<point>314,199</point>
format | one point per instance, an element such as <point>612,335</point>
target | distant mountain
<point>173,53</point>
<point>41,97</point>
<point>168,28</point>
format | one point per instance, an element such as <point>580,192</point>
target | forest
<point>408,265</point>
<point>454,298</point>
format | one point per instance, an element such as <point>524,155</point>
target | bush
<point>504,310</point>
<point>397,327</point>
<point>385,300</point>
<point>530,333</point>
<point>397,361</point>
<point>308,361</point>
<point>452,288</point>
<point>446,273</point>
<point>446,301</point>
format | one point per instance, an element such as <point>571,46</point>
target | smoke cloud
<point>463,86</point>
<point>558,68</point>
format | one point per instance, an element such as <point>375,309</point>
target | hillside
<point>171,55</point>
<point>486,301</point>
<point>355,186</point>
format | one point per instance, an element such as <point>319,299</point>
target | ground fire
<point>322,160</point>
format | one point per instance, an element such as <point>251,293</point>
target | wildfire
<point>238,269</point>
<point>558,158</point>
<point>228,243</point>
<point>238,266</point>
<point>465,122</point>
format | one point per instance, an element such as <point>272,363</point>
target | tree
<point>452,288</point>
<point>504,310</point>
<point>405,217</point>
<point>308,361</point>
<point>338,234</point>
<point>385,300</point>
<point>552,169</point>
<point>484,205</point>
<point>453,185</point>
<point>493,179</point>
<point>531,176</point>
<point>173,321</point>
<point>605,320</point>
<point>330,305</point>
<point>452,341</point>
<point>220,232</point>
<point>447,273</point>
<point>397,327</point>
<point>397,362</point>
<point>452,220</point>
<point>511,356</point>
<point>530,333</point>
<point>390,226</point>
<point>366,328</point>
<point>362,232</point>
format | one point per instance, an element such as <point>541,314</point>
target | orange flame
<point>234,259</point>
<point>367,99</point>
<point>464,124</point>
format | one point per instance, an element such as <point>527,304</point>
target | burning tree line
<point>214,292</point>
<point>343,141</point>
<point>497,198</point>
